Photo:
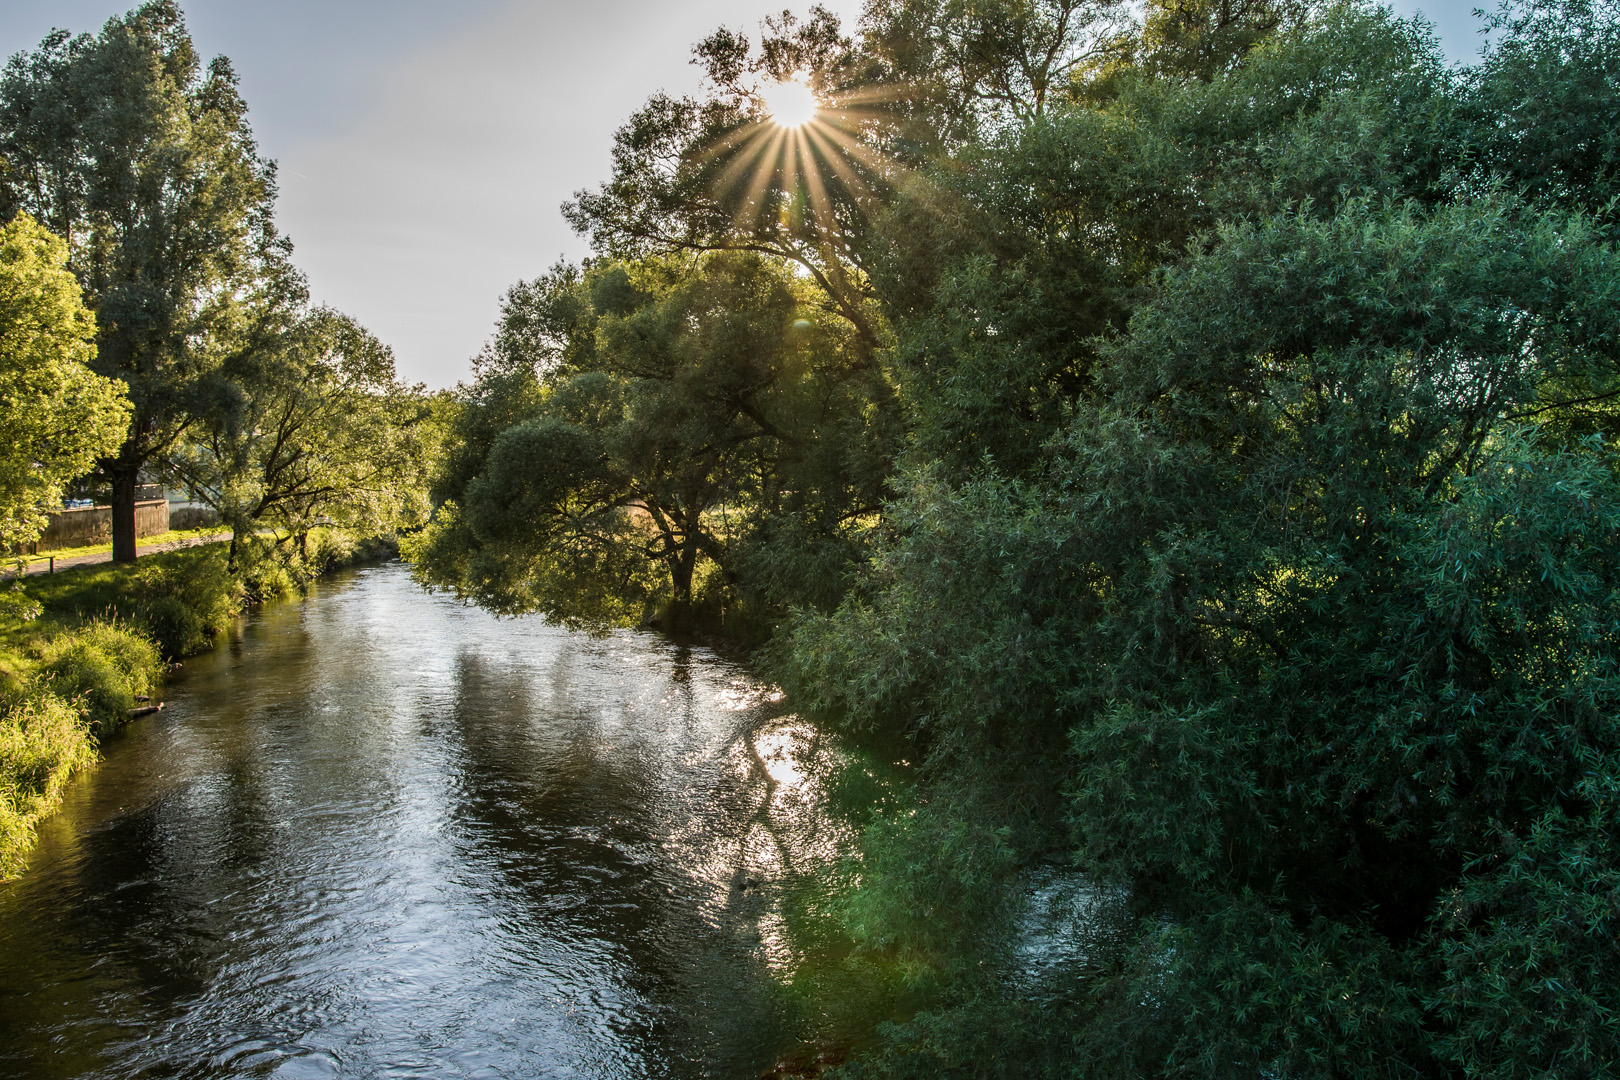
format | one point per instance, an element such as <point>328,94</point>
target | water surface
<point>381,834</point>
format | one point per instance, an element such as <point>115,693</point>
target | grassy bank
<point>80,649</point>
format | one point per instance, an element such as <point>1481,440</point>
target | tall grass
<point>42,740</point>
<point>59,693</point>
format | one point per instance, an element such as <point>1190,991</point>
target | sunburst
<point>790,103</point>
<point>804,150</point>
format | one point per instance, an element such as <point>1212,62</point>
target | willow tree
<point>56,415</point>
<point>141,158</point>
<point>641,428</point>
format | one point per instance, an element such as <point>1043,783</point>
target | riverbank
<point>84,650</point>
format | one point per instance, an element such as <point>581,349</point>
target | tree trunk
<point>680,573</point>
<point>123,514</point>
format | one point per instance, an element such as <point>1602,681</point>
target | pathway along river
<point>382,834</point>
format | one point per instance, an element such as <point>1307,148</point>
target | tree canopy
<point>141,158</point>
<point>635,423</point>
<point>57,417</point>
<point>313,427</point>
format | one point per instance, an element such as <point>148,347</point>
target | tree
<point>717,174</point>
<point>57,417</point>
<point>312,429</point>
<point>637,423</point>
<point>1295,633</point>
<point>984,66</point>
<point>143,161</point>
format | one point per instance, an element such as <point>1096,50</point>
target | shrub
<point>185,606</point>
<point>101,668</point>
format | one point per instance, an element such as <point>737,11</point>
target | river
<point>381,834</point>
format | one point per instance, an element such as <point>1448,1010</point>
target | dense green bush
<point>186,605</point>
<point>1305,601</point>
<point>100,668</point>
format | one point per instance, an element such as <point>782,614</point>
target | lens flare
<point>800,155</point>
<point>791,104</point>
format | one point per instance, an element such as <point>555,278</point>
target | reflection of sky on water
<point>385,835</point>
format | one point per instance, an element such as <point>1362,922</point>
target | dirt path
<point>67,562</point>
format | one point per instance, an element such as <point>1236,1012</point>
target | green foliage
<point>56,416</point>
<point>124,144</point>
<point>42,741</point>
<point>935,882</point>
<point>681,169</point>
<point>312,428</point>
<point>1542,105</point>
<point>59,691</point>
<point>1293,570</point>
<point>185,605</point>
<point>673,436</point>
<point>100,668</point>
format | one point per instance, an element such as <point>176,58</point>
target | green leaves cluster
<point>312,428</point>
<point>1258,558</point>
<point>57,417</point>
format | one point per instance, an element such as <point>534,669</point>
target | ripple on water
<point>385,835</point>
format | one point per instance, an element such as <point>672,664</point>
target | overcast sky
<point>425,146</point>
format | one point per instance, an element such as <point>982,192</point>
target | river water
<point>380,834</point>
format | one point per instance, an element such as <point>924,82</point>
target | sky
<point>425,147</point>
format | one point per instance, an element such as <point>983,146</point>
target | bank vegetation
<point>1183,434</point>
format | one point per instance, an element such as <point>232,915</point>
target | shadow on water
<point>384,835</point>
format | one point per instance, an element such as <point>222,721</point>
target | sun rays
<point>804,156</point>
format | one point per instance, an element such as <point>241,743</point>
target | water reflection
<point>384,835</point>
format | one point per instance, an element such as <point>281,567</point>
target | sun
<point>791,104</point>
<point>802,154</point>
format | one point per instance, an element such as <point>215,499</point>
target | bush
<point>101,669</point>
<point>185,606</point>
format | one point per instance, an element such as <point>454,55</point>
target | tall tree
<point>142,159</point>
<point>56,415</point>
<point>718,172</point>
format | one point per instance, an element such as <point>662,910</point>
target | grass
<point>42,741</point>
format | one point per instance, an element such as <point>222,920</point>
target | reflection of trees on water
<point>615,790</point>
<point>385,820</point>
